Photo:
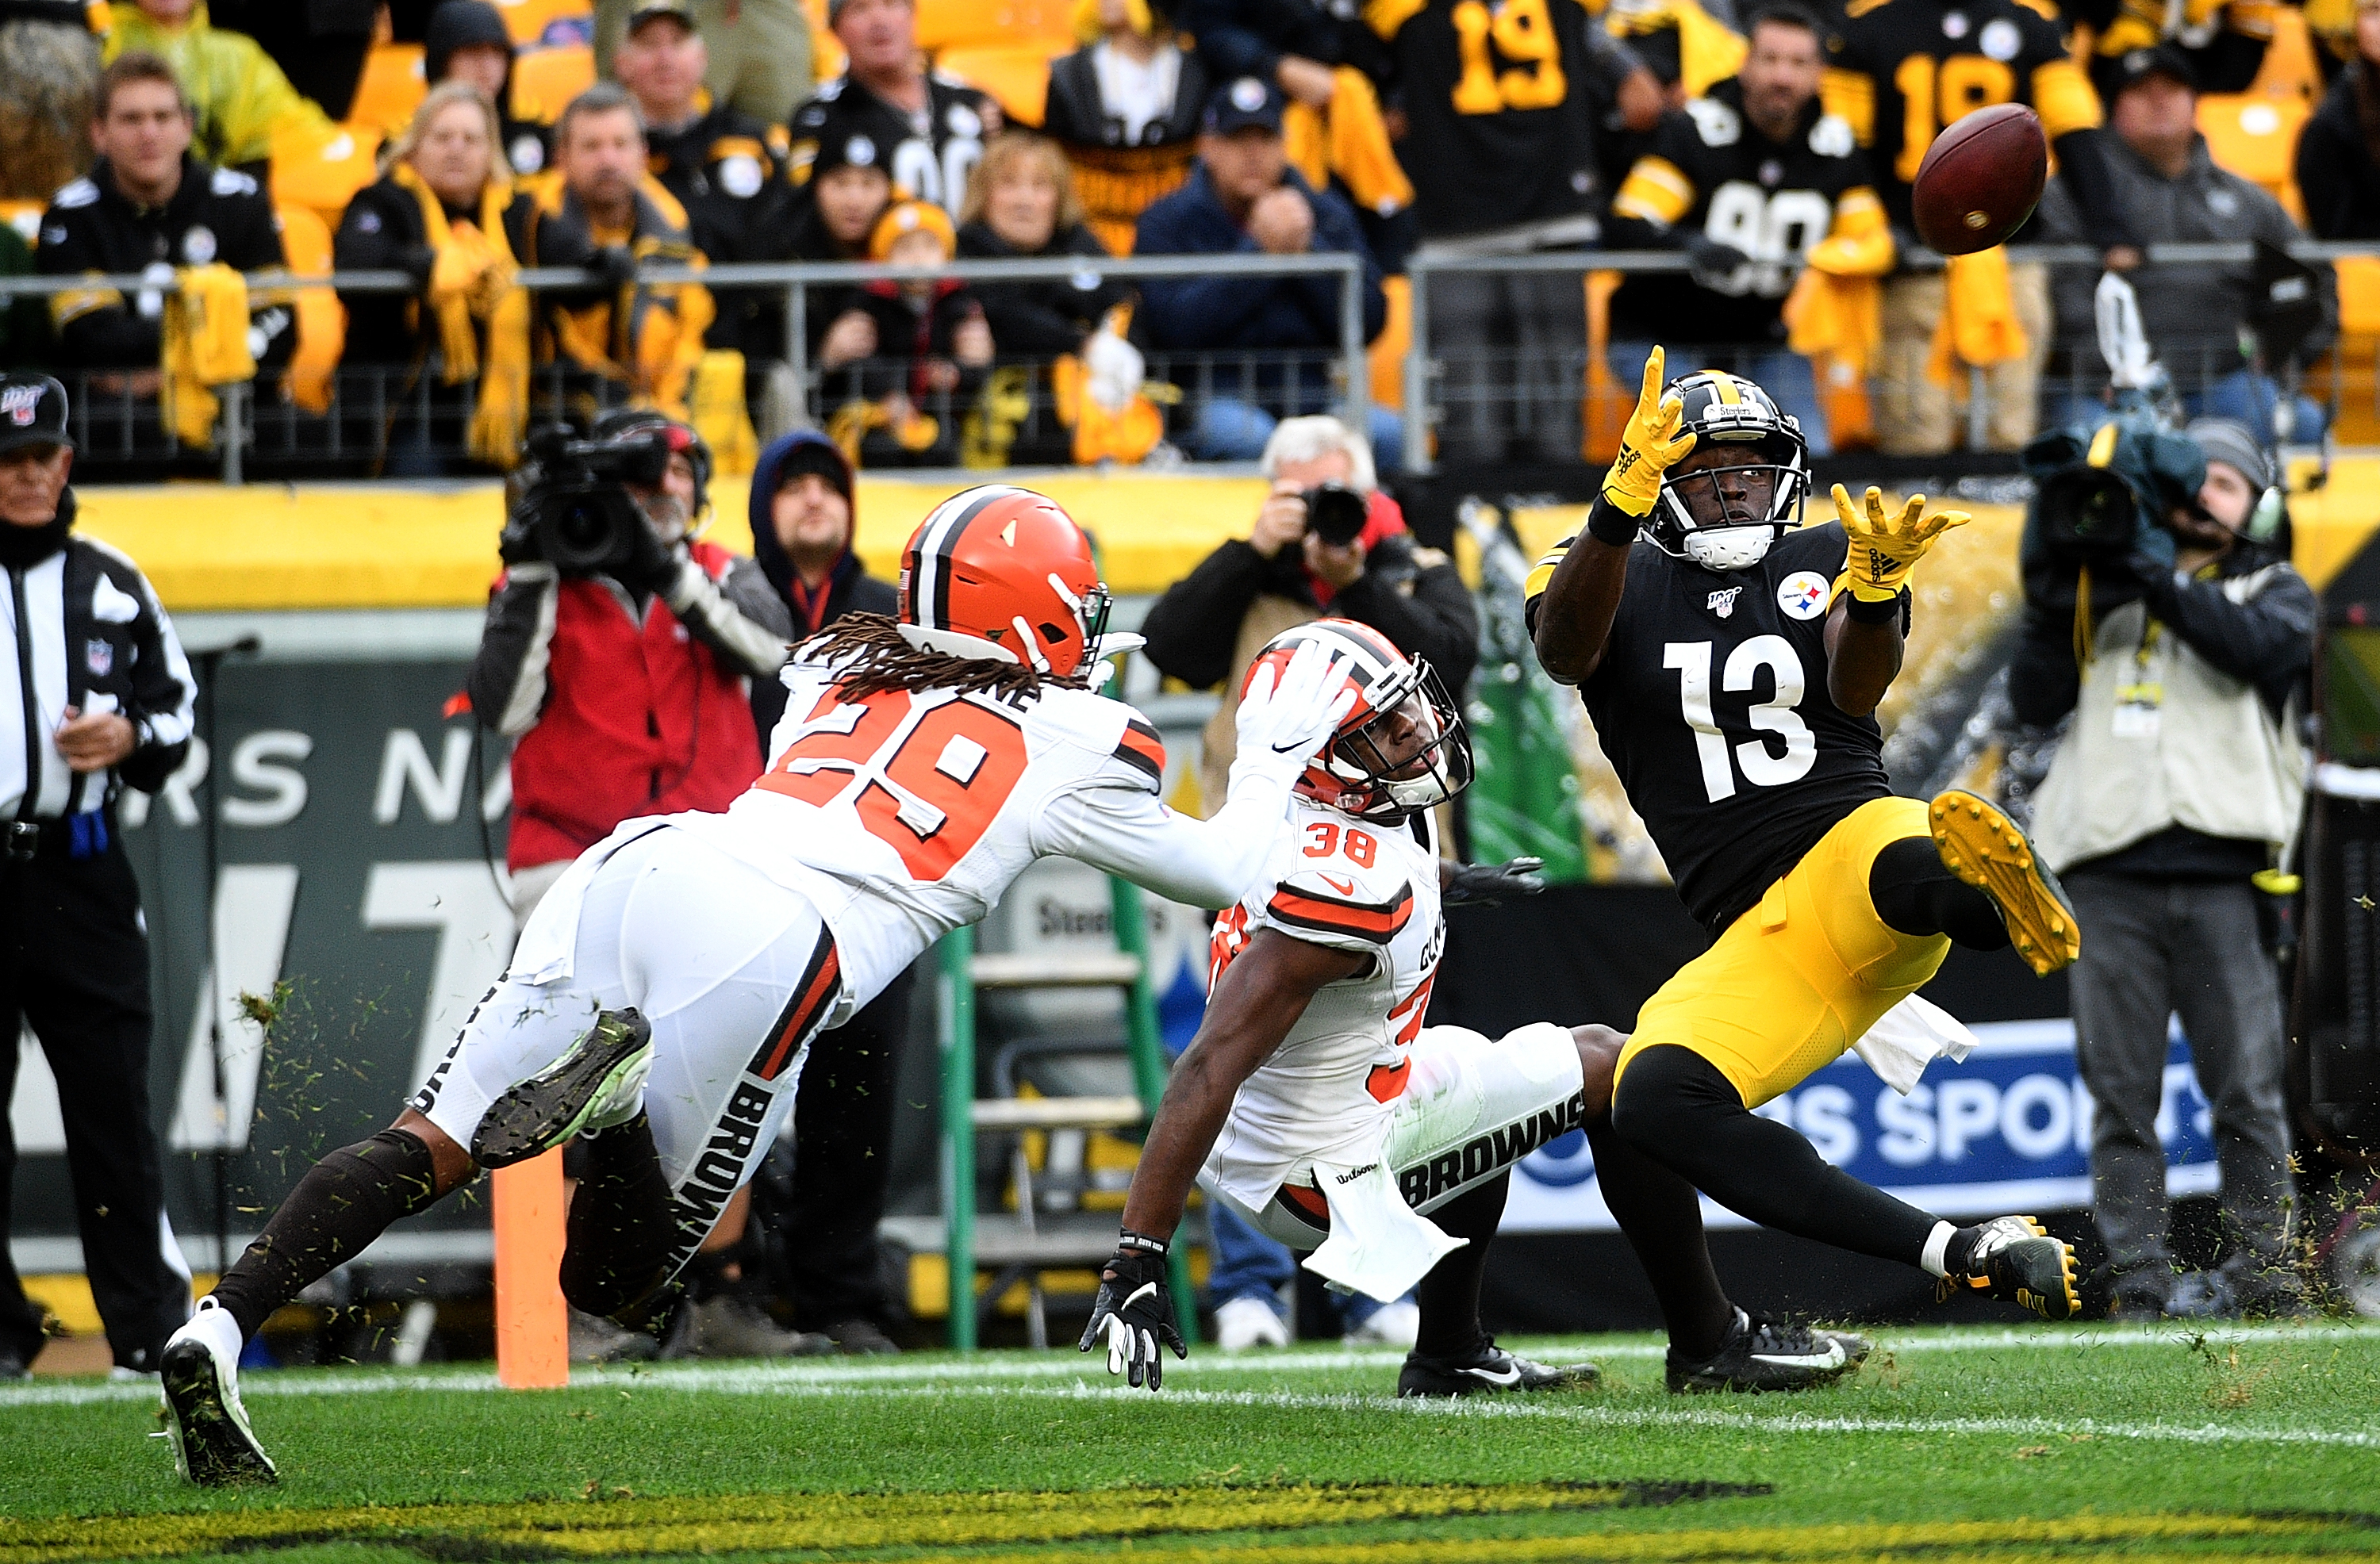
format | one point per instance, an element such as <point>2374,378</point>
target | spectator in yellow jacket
<point>238,96</point>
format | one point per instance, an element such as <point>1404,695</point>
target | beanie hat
<point>910,217</point>
<point>2232,444</point>
<point>460,24</point>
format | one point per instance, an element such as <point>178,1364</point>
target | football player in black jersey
<point>1732,660</point>
<point>1755,181</point>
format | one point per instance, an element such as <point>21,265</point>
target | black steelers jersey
<point>1711,170</point>
<point>927,155</point>
<point>1501,114</point>
<point>1900,70</point>
<point>1711,704</point>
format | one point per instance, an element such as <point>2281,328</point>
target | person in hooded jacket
<point>2338,150</point>
<point>467,41</point>
<point>820,1225</point>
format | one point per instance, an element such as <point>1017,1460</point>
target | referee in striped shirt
<point>96,697</point>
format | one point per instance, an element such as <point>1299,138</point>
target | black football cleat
<point>2016,1260</point>
<point>1487,1370</point>
<point>1980,845</point>
<point>585,1089</point>
<point>1762,1354</point>
<point>198,1371</point>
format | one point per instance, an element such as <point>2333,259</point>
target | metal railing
<point>1424,364</point>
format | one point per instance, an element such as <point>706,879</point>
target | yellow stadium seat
<point>2256,138</point>
<point>2359,295</point>
<point>1388,350</point>
<point>544,80</point>
<point>390,90</point>
<point>943,24</point>
<point>2288,69</point>
<point>322,318</point>
<point>528,19</point>
<point>321,172</point>
<point>1017,78</point>
<point>25,216</point>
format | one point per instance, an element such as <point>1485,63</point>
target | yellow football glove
<point>1884,549</point>
<point>1648,446</point>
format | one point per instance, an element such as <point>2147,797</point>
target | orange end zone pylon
<point>532,1327</point>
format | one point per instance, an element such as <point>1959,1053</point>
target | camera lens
<point>583,528</point>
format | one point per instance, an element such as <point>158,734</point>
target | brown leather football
<point>1981,179</point>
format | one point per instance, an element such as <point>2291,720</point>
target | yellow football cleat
<point>1983,846</point>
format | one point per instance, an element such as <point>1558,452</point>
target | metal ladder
<point>963,974</point>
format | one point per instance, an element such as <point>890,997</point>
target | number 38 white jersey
<point>1333,1084</point>
<point>904,815</point>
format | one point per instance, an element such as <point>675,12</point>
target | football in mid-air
<point>1981,179</point>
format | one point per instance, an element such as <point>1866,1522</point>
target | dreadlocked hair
<point>874,658</point>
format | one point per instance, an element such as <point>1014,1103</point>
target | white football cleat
<point>1242,1322</point>
<point>212,1443</point>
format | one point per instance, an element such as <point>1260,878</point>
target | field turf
<point>2007,1446</point>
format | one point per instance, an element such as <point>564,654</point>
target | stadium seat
<point>544,80</point>
<point>1018,77</point>
<point>943,24</point>
<point>320,174</point>
<point>2359,295</point>
<point>322,318</point>
<point>2290,69</point>
<point>532,22</point>
<point>390,90</point>
<point>1607,402</point>
<point>2256,138</point>
<point>1388,350</point>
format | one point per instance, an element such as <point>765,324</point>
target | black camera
<point>2095,492</point>
<point>1336,513</point>
<point>572,508</point>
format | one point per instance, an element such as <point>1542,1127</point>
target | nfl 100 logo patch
<point>98,657</point>
<point>19,403</point>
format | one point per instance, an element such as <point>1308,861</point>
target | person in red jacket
<point>627,694</point>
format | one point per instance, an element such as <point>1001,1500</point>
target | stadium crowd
<point>1774,146</point>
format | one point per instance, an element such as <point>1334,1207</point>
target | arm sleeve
<point>2082,168</point>
<point>2267,641</point>
<point>93,326</point>
<point>1193,626</point>
<point>1306,906</point>
<point>1652,200</point>
<point>740,619</point>
<point>1124,831</point>
<point>163,696</point>
<point>2044,682</point>
<point>377,244</point>
<point>507,682</point>
<point>1437,621</point>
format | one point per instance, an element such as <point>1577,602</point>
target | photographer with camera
<point>2163,613</point>
<point>618,645</point>
<point>1326,542</point>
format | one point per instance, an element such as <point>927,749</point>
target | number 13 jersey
<point>1711,702</point>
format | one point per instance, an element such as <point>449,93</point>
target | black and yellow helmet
<point>1731,526</point>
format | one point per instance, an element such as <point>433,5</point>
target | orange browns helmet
<point>1401,748</point>
<point>1003,574</point>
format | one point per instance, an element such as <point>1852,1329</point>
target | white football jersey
<point>1330,1089</point>
<point>904,815</point>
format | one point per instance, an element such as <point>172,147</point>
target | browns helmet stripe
<point>931,586</point>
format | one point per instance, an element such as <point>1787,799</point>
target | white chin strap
<point>956,643</point>
<point>1726,548</point>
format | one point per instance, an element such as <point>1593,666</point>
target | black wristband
<point>1606,523</point>
<point>1127,1239</point>
<point>1866,613</point>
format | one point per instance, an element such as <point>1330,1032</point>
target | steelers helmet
<point>1731,526</point>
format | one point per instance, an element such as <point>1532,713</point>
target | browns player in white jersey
<point>665,993</point>
<point>1316,1103</point>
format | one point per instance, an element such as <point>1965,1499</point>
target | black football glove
<point>1484,885</point>
<point>1135,1313</point>
<point>1711,263</point>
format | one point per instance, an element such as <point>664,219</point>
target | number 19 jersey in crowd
<point>1711,703</point>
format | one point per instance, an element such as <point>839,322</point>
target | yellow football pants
<point>1801,976</point>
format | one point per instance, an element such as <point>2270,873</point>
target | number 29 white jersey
<point>906,814</point>
<point>1331,1086</point>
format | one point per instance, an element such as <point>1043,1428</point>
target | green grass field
<point>2014,1446</point>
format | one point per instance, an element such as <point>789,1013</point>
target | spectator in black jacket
<point>819,1224</point>
<point>467,41</point>
<point>1125,108</point>
<point>437,212</point>
<point>1209,625</point>
<point>2338,150</point>
<point>1020,205</point>
<point>847,195</point>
